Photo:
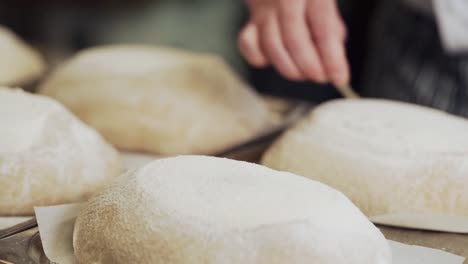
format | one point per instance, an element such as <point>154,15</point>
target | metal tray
<point>26,247</point>
<point>23,248</point>
<point>253,149</point>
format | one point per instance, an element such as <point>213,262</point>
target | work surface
<point>453,243</point>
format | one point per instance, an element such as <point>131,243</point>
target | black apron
<point>407,62</point>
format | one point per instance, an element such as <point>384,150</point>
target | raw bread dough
<point>159,100</point>
<point>47,156</point>
<point>387,157</point>
<point>196,209</point>
<point>19,63</point>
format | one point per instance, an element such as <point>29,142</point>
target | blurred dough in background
<point>19,63</point>
<point>47,156</point>
<point>159,100</point>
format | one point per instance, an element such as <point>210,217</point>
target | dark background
<point>60,28</point>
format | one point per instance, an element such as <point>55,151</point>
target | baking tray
<point>26,247</point>
<point>287,113</point>
<point>23,248</point>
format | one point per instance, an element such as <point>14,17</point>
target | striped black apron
<point>407,61</point>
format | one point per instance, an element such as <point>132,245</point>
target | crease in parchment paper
<point>56,225</point>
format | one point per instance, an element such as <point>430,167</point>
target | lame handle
<point>347,91</point>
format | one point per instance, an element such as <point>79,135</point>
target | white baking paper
<point>56,225</point>
<point>56,228</point>
<point>444,223</point>
<point>406,254</point>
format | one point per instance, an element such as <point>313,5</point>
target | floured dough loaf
<point>387,157</point>
<point>195,209</point>
<point>19,63</point>
<point>47,156</point>
<point>159,100</point>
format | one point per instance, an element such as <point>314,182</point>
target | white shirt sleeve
<point>452,19</point>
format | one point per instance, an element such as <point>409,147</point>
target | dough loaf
<point>387,157</point>
<point>159,100</point>
<point>47,156</point>
<point>19,63</point>
<point>196,209</point>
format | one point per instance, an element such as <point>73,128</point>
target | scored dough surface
<point>159,100</point>
<point>387,157</point>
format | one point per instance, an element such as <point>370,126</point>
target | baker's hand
<point>302,39</point>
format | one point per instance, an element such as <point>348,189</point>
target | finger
<point>343,30</point>
<point>250,47</point>
<point>327,31</point>
<point>298,41</point>
<point>273,47</point>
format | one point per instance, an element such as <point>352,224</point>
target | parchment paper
<point>444,223</point>
<point>407,254</point>
<point>56,225</point>
<point>56,229</point>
